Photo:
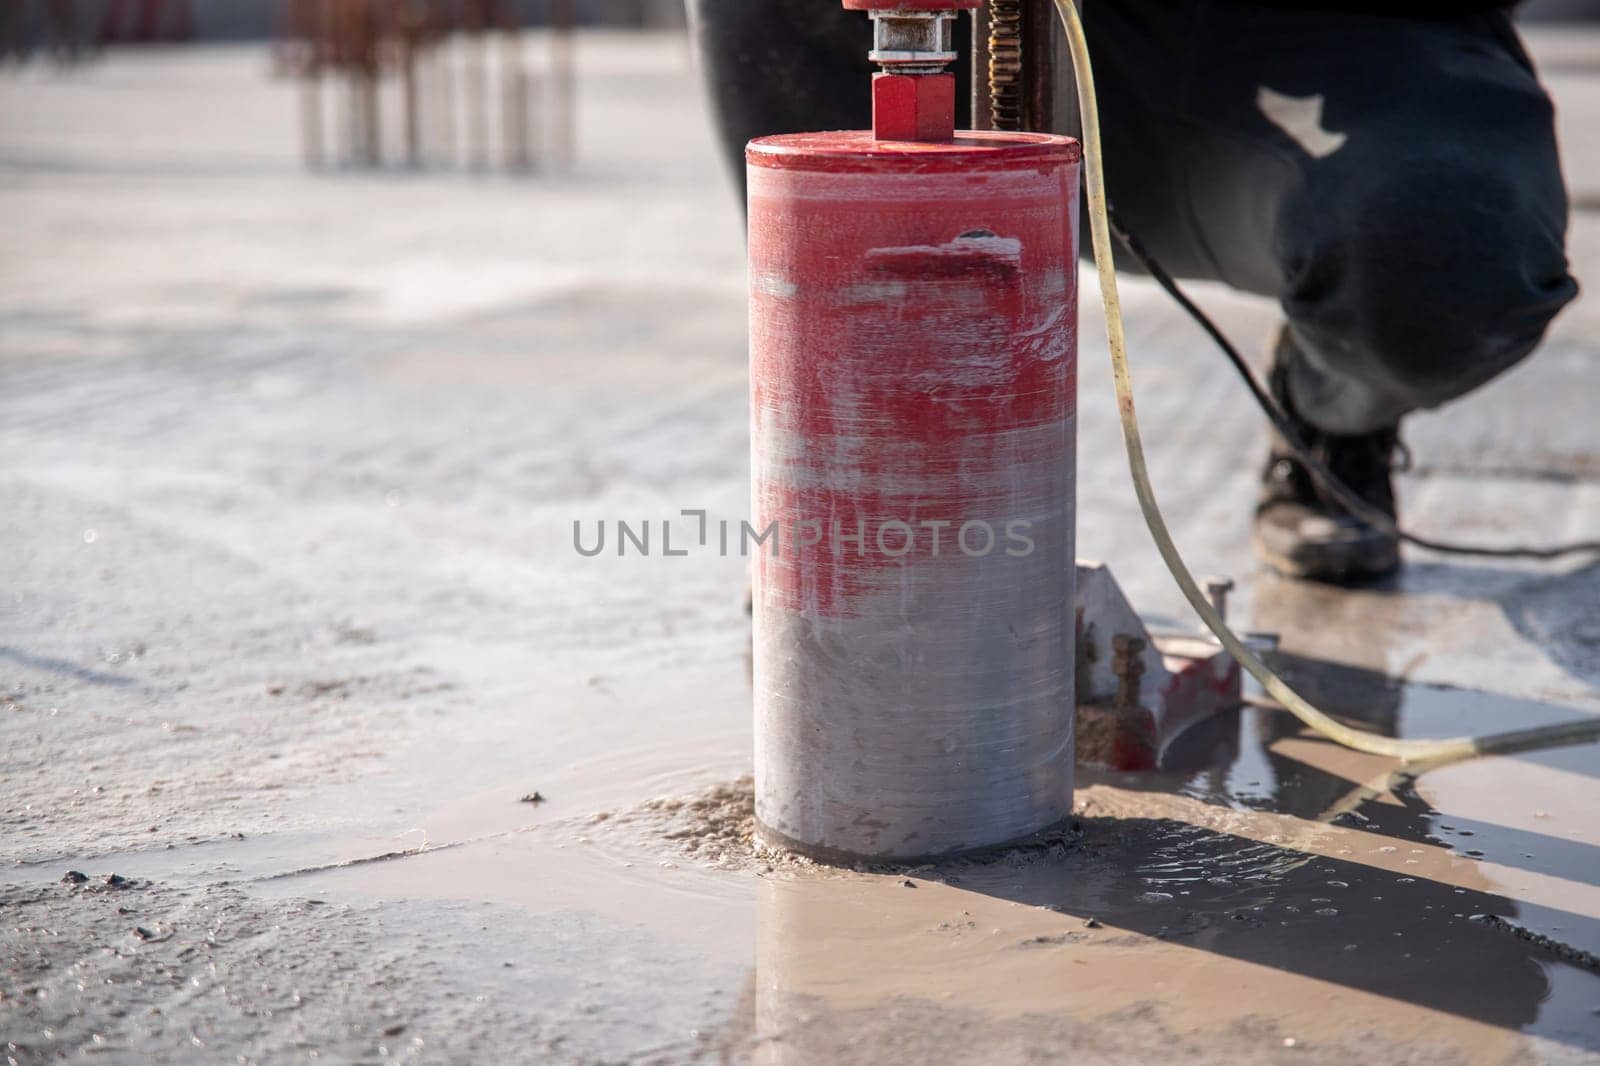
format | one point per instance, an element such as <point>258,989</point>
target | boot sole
<point>1348,564</point>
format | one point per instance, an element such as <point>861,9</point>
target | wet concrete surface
<point>292,621</point>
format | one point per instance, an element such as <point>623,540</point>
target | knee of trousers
<point>1427,278</point>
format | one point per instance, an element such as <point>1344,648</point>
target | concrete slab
<point>292,620</point>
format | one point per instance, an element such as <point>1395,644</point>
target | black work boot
<point>1301,530</point>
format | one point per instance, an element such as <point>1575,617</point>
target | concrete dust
<point>714,827</point>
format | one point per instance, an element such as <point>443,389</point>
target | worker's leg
<point>782,66</point>
<point>1393,182</point>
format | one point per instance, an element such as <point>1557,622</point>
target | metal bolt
<point>1127,664</point>
<point>1217,589</point>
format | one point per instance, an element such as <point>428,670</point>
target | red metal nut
<point>911,5</point>
<point>914,107</point>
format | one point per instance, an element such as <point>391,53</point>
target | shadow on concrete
<point>1555,610</point>
<point>1405,937</point>
<point>1437,935</point>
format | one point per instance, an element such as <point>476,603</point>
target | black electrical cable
<point>1275,413</point>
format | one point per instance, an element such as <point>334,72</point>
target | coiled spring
<point>1005,64</point>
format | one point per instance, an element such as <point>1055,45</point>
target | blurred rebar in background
<point>420,84</point>
<point>446,66</point>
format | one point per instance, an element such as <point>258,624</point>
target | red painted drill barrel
<point>913,324</point>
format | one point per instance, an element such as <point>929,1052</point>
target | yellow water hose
<point>1413,752</point>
